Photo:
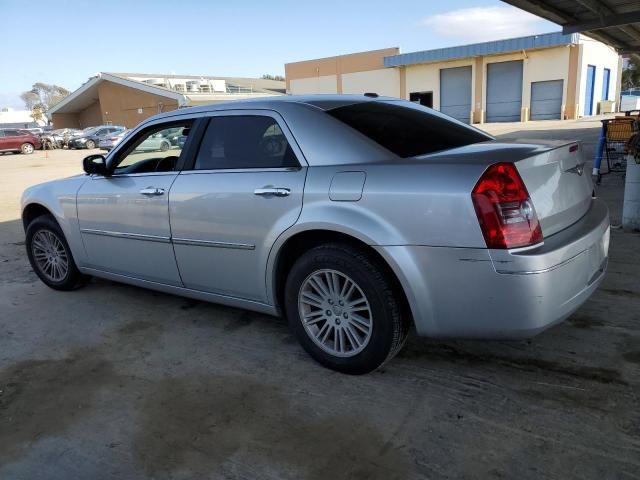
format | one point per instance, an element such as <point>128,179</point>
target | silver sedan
<point>356,217</point>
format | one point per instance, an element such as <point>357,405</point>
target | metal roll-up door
<point>455,92</point>
<point>546,100</point>
<point>504,91</point>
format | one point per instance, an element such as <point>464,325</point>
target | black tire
<point>73,278</point>
<point>389,326</point>
<point>164,146</point>
<point>90,144</point>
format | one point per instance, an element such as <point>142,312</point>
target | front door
<point>244,189</point>
<point>124,218</point>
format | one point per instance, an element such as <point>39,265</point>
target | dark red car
<point>15,140</point>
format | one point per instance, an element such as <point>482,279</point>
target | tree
<point>266,76</point>
<point>631,74</point>
<point>42,97</point>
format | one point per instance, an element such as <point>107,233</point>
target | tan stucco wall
<point>381,81</point>
<point>321,84</point>
<point>365,72</point>
<point>426,78</point>
<point>327,75</point>
<point>120,104</point>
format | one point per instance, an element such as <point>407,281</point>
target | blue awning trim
<point>545,40</point>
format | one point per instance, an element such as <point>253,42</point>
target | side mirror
<point>95,165</point>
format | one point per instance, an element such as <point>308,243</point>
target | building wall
<point>426,78</point>
<point>537,66</point>
<point>365,72</point>
<point>602,56</point>
<point>65,120</point>
<point>90,116</point>
<point>385,81</point>
<point>126,106</point>
<point>322,84</point>
<point>117,104</point>
<point>328,75</point>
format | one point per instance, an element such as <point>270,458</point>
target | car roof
<point>321,101</point>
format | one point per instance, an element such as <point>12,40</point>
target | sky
<point>247,38</point>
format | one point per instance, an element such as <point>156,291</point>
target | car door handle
<point>152,191</point>
<point>276,192</point>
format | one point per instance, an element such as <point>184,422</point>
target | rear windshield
<point>407,130</point>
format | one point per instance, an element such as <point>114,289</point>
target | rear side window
<point>239,141</point>
<point>407,131</point>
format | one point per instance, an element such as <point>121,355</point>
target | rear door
<point>243,190</point>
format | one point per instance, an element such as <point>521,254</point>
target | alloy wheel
<point>50,255</point>
<point>335,313</point>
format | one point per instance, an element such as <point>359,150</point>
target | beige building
<point>547,76</point>
<point>128,98</point>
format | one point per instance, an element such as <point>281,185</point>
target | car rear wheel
<point>164,146</point>
<point>26,148</point>
<point>50,255</point>
<point>90,144</point>
<point>344,310</point>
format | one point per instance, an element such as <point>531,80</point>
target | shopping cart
<point>613,144</point>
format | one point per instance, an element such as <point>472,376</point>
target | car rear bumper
<point>480,293</point>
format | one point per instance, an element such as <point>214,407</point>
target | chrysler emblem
<point>579,168</point>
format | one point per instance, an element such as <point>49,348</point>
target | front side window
<point>244,141</point>
<point>155,150</point>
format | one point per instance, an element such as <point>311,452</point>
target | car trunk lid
<point>559,185</point>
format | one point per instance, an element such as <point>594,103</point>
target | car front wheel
<point>26,148</point>
<point>344,310</point>
<point>90,144</point>
<point>50,256</point>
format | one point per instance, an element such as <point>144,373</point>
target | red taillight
<point>505,212</point>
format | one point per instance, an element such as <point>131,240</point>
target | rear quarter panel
<point>408,203</point>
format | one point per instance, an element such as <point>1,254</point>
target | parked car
<point>173,135</point>
<point>89,137</point>
<point>353,216</point>
<point>108,142</point>
<point>13,140</point>
<point>157,142</point>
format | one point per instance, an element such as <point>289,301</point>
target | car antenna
<point>371,94</point>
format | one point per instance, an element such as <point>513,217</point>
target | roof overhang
<point>613,22</point>
<point>544,40</point>
<point>87,94</point>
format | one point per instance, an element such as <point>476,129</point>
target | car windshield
<point>406,129</point>
<point>89,130</point>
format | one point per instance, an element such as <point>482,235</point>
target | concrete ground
<point>114,381</point>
